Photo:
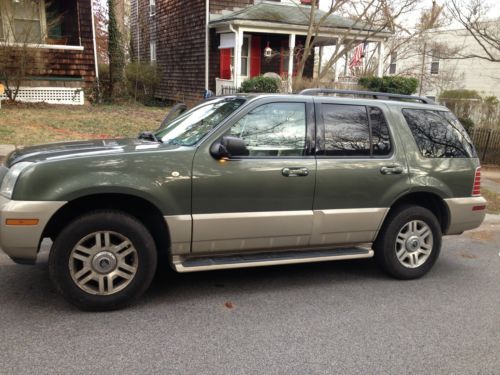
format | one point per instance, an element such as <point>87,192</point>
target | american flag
<point>357,57</point>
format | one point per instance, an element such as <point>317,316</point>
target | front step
<point>223,262</point>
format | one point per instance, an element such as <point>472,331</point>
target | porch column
<point>380,66</point>
<point>238,43</point>
<point>338,67</point>
<point>291,44</point>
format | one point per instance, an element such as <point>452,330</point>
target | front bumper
<point>21,242</point>
<point>465,213</point>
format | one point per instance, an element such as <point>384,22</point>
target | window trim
<point>153,51</point>
<point>320,140</point>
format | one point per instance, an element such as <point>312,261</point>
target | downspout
<point>235,82</point>
<point>207,43</point>
<point>95,44</point>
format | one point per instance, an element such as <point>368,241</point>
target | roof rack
<point>373,94</point>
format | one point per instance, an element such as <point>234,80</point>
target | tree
<point>101,31</point>
<point>116,54</point>
<point>20,55</point>
<point>473,16</point>
<point>369,17</point>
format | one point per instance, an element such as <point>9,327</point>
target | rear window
<point>439,134</point>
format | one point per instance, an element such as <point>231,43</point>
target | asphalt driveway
<point>343,317</point>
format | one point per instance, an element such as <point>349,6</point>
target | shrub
<point>390,84</point>
<point>142,81</point>
<point>261,84</point>
<point>459,94</point>
<point>467,123</point>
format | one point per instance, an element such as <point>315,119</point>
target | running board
<point>268,259</point>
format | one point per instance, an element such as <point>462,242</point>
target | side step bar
<point>268,259</point>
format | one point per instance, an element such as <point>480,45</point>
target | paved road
<point>343,317</point>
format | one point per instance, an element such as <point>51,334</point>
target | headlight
<point>10,178</point>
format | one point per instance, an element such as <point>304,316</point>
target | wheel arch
<point>142,209</point>
<point>430,200</point>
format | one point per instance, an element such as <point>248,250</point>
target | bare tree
<point>473,16</point>
<point>368,18</point>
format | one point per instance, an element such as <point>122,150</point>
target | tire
<point>409,242</point>
<point>103,260</point>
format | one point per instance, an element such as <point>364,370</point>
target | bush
<point>390,84</point>
<point>467,123</point>
<point>261,84</point>
<point>459,94</point>
<point>142,80</point>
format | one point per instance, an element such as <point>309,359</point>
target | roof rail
<point>373,94</point>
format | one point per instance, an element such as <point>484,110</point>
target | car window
<point>381,137</point>
<point>347,132</point>
<point>274,129</point>
<point>438,134</point>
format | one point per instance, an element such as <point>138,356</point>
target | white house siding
<point>472,74</point>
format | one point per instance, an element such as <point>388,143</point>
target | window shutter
<point>225,63</point>
<point>255,56</point>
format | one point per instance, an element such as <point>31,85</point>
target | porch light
<point>268,51</point>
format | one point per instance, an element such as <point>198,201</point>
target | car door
<point>361,170</point>
<point>262,201</point>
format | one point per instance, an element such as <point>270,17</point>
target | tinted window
<point>347,132</point>
<point>438,134</point>
<point>275,129</point>
<point>381,137</point>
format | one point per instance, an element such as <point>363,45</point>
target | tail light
<point>476,188</point>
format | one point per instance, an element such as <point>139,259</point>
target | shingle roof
<point>288,14</point>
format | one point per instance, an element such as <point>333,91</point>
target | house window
<point>152,7</point>
<point>245,56</point>
<point>152,50</point>
<point>435,63</point>
<point>392,65</point>
<point>27,25</point>
<point>26,19</point>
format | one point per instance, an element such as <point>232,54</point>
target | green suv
<point>245,181</point>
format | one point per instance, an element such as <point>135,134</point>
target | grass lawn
<point>23,124</point>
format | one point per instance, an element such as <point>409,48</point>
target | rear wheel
<point>103,260</point>
<point>409,242</point>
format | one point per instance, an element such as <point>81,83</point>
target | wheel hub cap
<point>414,244</point>
<point>104,262</point>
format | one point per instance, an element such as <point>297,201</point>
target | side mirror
<point>229,147</point>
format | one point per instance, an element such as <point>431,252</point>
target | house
<point>62,34</point>
<point>438,62</point>
<point>217,44</point>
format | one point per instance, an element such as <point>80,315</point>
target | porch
<point>268,38</point>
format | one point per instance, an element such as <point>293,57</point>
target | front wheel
<point>103,260</point>
<point>409,242</point>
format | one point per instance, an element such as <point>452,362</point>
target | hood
<point>66,150</point>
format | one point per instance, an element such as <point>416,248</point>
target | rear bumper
<point>465,213</point>
<point>21,242</point>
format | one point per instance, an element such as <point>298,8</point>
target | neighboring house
<point>217,44</point>
<point>440,66</point>
<point>62,32</point>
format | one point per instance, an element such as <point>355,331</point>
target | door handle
<point>392,169</point>
<point>295,172</point>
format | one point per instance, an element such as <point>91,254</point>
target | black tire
<point>385,245</point>
<point>117,222</point>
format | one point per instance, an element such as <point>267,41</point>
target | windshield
<point>193,125</point>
